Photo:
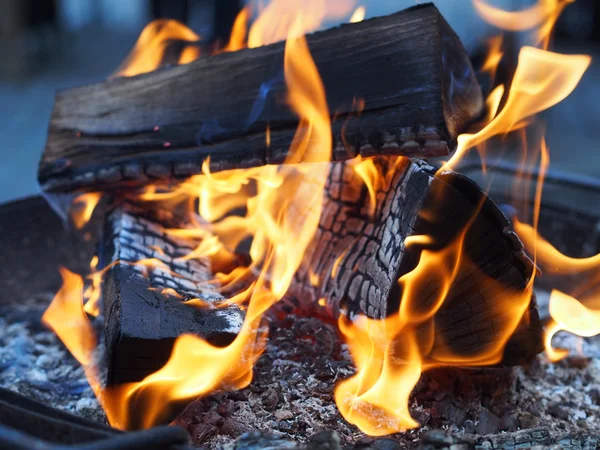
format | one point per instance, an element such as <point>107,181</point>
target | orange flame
<point>549,257</point>
<point>83,207</point>
<point>390,354</point>
<point>237,40</point>
<point>149,50</point>
<point>567,312</point>
<point>66,317</point>
<point>283,207</point>
<point>494,56</point>
<point>93,293</point>
<point>283,211</point>
<point>358,15</point>
<point>542,79</point>
<point>543,15</point>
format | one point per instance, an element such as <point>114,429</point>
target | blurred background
<point>47,45</point>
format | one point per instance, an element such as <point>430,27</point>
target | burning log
<point>144,295</point>
<point>357,258</point>
<point>411,70</point>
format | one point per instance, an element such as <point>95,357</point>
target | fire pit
<point>258,254</point>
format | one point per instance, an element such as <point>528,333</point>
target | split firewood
<point>410,70</point>
<point>145,293</point>
<point>357,258</point>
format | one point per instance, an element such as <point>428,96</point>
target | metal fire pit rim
<point>29,424</point>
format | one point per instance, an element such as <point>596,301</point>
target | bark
<point>411,70</point>
<point>142,322</point>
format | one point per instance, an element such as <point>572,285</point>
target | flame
<point>390,354</point>
<point>569,314</point>
<point>93,292</point>
<point>66,317</point>
<point>549,257</point>
<point>494,56</point>
<point>543,15</point>
<point>149,50</point>
<point>281,209</point>
<point>83,207</point>
<point>278,17</point>
<point>366,170</point>
<point>358,15</point>
<point>237,40</point>
<point>366,399</point>
<point>542,79</point>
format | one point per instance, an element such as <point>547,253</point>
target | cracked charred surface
<point>410,68</point>
<point>357,257</point>
<point>142,320</point>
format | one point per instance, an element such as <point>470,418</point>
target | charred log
<point>144,305</point>
<point>357,258</point>
<point>409,68</point>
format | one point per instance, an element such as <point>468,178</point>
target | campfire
<point>291,247</point>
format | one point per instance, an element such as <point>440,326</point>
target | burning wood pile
<point>286,182</point>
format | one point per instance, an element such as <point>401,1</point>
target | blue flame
<point>211,129</point>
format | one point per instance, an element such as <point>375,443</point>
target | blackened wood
<point>410,69</point>
<point>141,322</point>
<point>356,260</point>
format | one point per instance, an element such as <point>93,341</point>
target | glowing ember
<point>391,354</point>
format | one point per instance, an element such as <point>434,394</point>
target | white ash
<point>34,362</point>
<point>291,394</point>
